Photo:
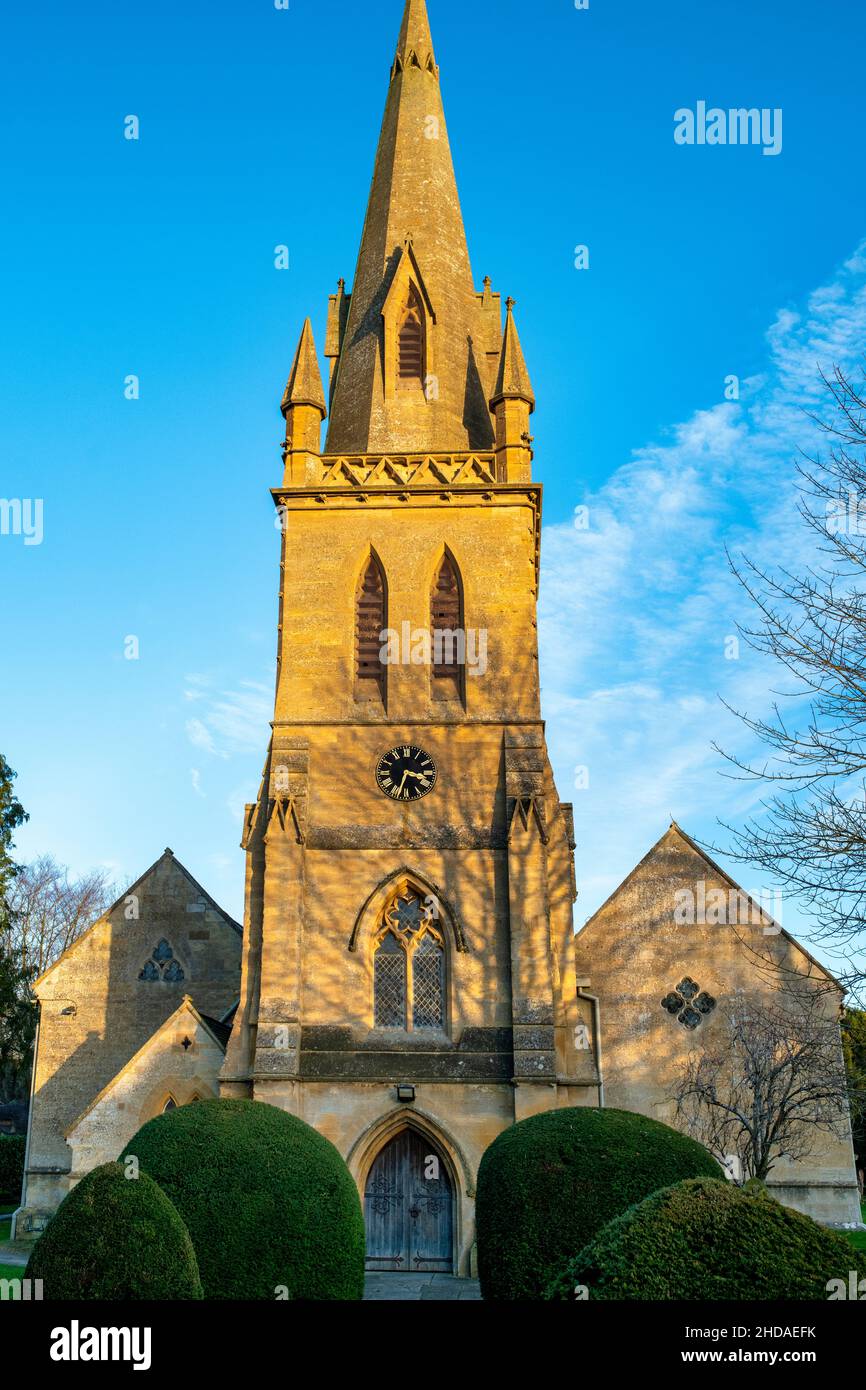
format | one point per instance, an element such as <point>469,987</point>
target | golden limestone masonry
<point>408,980</point>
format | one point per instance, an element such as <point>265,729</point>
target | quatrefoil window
<point>162,965</point>
<point>689,1004</point>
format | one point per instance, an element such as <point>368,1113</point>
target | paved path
<point>411,1288</point>
<point>379,1288</point>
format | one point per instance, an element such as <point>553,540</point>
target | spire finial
<point>415,44</point>
<point>413,191</point>
<point>510,303</point>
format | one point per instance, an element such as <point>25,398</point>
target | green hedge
<point>11,1166</point>
<point>706,1239</point>
<point>115,1238</point>
<point>269,1203</point>
<point>549,1183</point>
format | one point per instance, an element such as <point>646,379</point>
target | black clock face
<point>406,773</point>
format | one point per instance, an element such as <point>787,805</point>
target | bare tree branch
<point>810,833</point>
<point>50,911</point>
<point>769,1080</point>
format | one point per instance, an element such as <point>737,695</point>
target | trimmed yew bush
<point>117,1238</point>
<point>270,1205</point>
<point>549,1183</point>
<point>706,1239</point>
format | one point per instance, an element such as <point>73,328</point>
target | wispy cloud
<point>230,727</point>
<point>238,797</point>
<point>200,736</point>
<point>636,610</point>
<point>229,721</point>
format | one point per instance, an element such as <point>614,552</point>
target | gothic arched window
<point>410,343</point>
<point>370,623</point>
<point>409,966</point>
<point>447,634</point>
<point>390,983</point>
<point>428,980</point>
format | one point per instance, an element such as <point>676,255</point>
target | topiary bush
<point>270,1205</point>
<point>549,1183</point>
<point>11,1166</point>
<point>705,1239</point>
<point>116,1238</point>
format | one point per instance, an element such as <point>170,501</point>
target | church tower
<point>408,981</point>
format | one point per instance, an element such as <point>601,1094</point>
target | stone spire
<point>413,248</point>
<point>416,42</point>
<point>304,386</point>
<point>303,406</point>
<point>512,382</point>
<point>512,404</point>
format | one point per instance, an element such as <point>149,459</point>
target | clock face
<point>406,773</point>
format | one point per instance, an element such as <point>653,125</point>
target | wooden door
<point>409,1208</point>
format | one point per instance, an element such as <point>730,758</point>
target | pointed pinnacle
<point>304,386</point>
<point>415,37</point>
<point>513,382</point>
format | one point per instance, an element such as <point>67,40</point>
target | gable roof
<point>726,877</point>
<point>406,268</point>
<point>185,1006</point>
<point>167,854</point>
<point>220,1029</point>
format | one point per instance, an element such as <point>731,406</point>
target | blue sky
<point>155,258</point>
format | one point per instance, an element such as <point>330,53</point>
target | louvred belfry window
<point>369,626</point>
<point>446,630</point>
<point>410,345</point>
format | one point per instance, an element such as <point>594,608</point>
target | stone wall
<point>96,1011</point>
<point>181,1062</point>
<point>635,953</point>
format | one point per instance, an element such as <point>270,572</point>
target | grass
<point>6,1210</point>
<point>858,1238</point>
<point>11,1271</point>
<point>8,1206</point>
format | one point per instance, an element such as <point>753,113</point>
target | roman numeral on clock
<point>406,773</point>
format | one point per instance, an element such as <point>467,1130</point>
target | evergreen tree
<point>12,814</point>
<point>17,1010</point>
<point>854,1047</point>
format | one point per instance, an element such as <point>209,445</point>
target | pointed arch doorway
<point>409,1207</point>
